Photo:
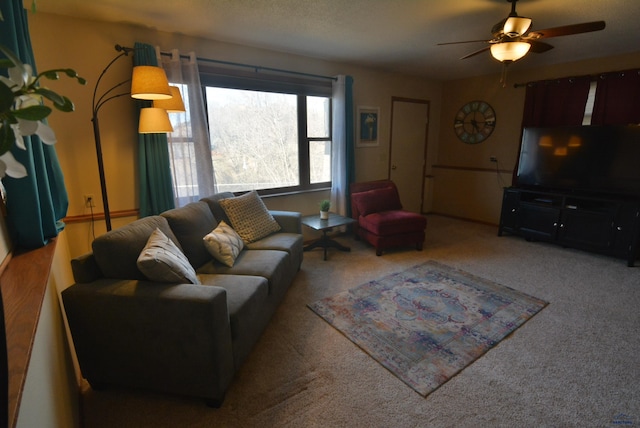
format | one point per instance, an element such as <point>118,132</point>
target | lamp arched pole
<point>97,104</point>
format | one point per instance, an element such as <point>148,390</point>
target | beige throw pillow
<point>224,244</point>
<point>161,260</point>
<point>249,216</point>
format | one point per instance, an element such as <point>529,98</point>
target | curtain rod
<point>256,68</point>
<point>591,76</point>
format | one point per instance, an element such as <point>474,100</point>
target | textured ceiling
<point>395,35</point>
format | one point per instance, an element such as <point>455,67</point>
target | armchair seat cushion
<point>393,222</point>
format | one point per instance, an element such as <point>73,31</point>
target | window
<point>182,151</point>
<point>268,137</point>
<point>588,108</point>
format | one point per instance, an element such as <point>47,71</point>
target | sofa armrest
<point>289,221</point>
<point>141,334</point>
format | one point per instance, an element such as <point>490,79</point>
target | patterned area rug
<point>429,322</point>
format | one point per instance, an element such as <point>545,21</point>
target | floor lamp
<point>147,83</point>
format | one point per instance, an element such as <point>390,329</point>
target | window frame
<point>211,76</point>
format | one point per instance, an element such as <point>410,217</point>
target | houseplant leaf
<point>32,113</point>
<point>6,97</point>
<point>7,138</point>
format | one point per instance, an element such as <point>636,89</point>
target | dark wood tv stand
<point>604,224</point>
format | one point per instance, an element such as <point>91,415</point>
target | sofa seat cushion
<point>246,296</point>
<point>269,264</point>
<point>393,222</point>
<point>116,252</point>
<point>248,310</point>
<point>190,224</point>
<point>292,243</point>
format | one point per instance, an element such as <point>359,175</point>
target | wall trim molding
<point>472,168</point>
<point>84,218</point>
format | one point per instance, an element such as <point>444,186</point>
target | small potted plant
<point>324,209</point>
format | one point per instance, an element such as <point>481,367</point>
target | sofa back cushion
<point>116,252</point>
<point>214,204</point>
<point>377,200</point>
<point>191,224</point>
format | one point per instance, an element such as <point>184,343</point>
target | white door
<point>408,150</point>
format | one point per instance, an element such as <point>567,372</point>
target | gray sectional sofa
<point>179,338</point>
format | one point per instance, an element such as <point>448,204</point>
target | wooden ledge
<point>23,284</point>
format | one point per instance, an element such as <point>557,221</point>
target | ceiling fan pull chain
<point>503,76</point>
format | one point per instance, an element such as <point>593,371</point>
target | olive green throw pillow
<point>162,261</point>
<point>249,217</point>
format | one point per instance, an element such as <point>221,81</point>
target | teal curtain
<point>154,168</point>
<point>36,204</point>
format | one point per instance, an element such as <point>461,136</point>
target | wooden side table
<point>334,220</point>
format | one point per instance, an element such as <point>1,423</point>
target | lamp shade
<point>516,26</point>
<point>149,83</point>
<point>173,104</point>
<point>154,121</point>
<point>509,51</point>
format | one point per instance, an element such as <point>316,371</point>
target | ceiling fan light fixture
<point>509,51</point>
<point>516,26</point>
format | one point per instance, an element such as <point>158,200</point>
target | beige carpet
<point>575,364</point>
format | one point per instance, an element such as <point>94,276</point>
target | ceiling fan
<point>513,38</point>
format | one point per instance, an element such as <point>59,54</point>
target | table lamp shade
<point>149,83</point>
<point>173,104</point>
<point>154,120</point>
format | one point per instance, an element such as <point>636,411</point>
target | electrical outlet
<point>493,159</point>
<point>89,202</point>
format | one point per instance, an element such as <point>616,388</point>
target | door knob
<point>393,167</point>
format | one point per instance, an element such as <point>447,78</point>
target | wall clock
<point>474,122</point>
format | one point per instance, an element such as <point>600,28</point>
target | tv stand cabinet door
<point>539,222</point>
<point>586,230</point>
<point>509,214</point>
<point>627,232</point>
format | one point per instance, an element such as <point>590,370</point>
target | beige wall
<point>87,46</point>
<point>476,193</point>
<point>51,396</point>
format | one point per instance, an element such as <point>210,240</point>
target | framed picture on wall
<point>367,126</point>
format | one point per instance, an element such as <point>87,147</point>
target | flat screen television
<point>586,159</point>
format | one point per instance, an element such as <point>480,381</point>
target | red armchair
<point>380,219</point>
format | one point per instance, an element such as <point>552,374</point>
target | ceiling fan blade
<point>476,52</point>
<point>567,30</point>
<point>466,41</point>
<point>539,47</point>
